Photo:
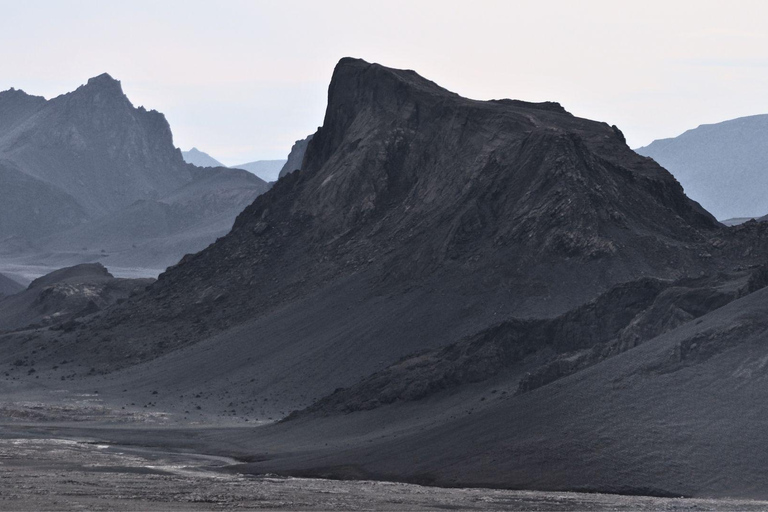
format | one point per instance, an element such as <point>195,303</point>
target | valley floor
<point>41,471</point>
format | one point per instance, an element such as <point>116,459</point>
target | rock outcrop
<point>295,157</point>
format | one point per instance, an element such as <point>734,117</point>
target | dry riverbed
<point>39,473</point>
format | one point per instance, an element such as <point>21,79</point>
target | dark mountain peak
<point>18,93</point>
<point>351,73</point>
<point>550,106</point>
<point>100,90</point>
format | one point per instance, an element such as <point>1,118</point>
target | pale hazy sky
<point>243,80</point>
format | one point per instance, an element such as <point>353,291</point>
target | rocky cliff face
<point>295,157</point>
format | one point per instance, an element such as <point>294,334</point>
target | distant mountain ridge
<point>199,158</point>
<point>724,165</point>
<point>267,170</point>
<point>8,286</point>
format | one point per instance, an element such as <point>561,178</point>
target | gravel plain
<point>85,474</point>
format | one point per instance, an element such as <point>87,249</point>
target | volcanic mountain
<point>722,165</point>
<point>418,217</point>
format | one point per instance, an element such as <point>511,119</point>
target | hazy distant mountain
<point>196,157</point>
<point>268,170</point>
<point>156,233</point>
<point>723,166</point>
<point>93,145</point>
<point>296,156</point>
<point>8,286</point>
<point>86,176</point>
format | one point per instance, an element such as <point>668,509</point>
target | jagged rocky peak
<point>103,84</point>
<point>392,139</point>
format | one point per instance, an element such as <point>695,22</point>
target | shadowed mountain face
<point>722,165</point>
<point>196,157</point>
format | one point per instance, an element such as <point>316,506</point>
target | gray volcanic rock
<point>416,203</point>
<point>268,170</point>
<point>295,157</point>
<point>196,157</point>
<point>8,286</point>
<point>722,165</point>
<point>65,295</point>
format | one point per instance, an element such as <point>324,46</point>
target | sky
<point>243,80</point>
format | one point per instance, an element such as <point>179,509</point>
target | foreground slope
<point>682,414</point>
<point>418,217</point>
<point>721,165</point>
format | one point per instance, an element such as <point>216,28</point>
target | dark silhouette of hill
<point>65,295</point>
<point>720,165</point>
